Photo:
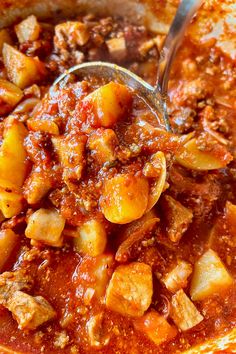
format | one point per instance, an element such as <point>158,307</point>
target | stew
<point>116,236</point>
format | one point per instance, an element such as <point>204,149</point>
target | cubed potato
<point>43,125</point>
<point>190,156</point>
<point>28,29</point>
<point>124,198</point>
<point>230,218</point>
<point>8,241</point>
<point>178,217</point>
<point>92,238</point>
<point>36,186</point>
<point>177,278</point>
<point>71,34</point>
<point>183,312</point>
<point>4,38</point>
<point>109,103</point>
<point>95,330</point>
<point>155,327</point>
<point>13,164</point>
<point>209,276</point>
<point>102,144</point>
<point>23,71</point>
<point>117,48</point>
<point>10,93</point>
<point>46,226</point>
<point>11,201</point>
<point>130,289</point>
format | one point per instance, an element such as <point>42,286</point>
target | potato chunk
<point>46,226</point>
<point>10,95</point>
<point>12,153</point>
<point>183,311</point>
<point>8,241</point>
<point>23,71</point>
<point>124,198</point>
<point>155,327</point>
<point>4,38</point>
<point>11,200</point>
<point>92,238</point>
<point>102,144</point>
<point>177,278</point>
<point>130,289</point>
<point>109,103</point>
<point>36,186</point>
<point>71,34</point>
<point>209,276</point>
<point>28,29</point>
<point>29,311</point>
<point>117,48</point>
<point>178,217</point>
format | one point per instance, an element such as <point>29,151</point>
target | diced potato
<point>130,289</point>
<point>158,162</point>
<point>9,93</point>
<point>11,202</point>
<point>76,34</point>
<point>183,311</point>
<point>190,156</point>
<point>102,144</point>
<point>209,276</point>
<point>43,125</point>
<point>230,218</point>
<point>109,103</point>
<point>23,71</point>
<point>8,241</point>
<point>124,198</point>
<point>177,278</point>
<point>4,38</point>
<point>36,186</point>
<point>13,163</point>
<point>92,238</point>
<point>155,327</point>
<point>117,48</point>
<point>178,218</point>
<point>95,330</point>
<point>46,226</point>
<point>28,29</point>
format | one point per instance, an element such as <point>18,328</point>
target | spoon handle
<point>185,12</point>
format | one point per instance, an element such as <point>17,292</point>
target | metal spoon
<point>155,97</point>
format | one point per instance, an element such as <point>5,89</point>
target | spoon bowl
<point>155,97</point>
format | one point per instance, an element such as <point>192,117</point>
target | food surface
<point>116,236</point>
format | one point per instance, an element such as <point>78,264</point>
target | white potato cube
<point>28,29</point>
<point>8,240</point>
<point>209,276</point>
<point>46,226</point>
<point>92,238</point>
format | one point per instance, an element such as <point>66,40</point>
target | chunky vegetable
<point>8,241</point>
<point>22,70</point>
<point>46,226</point>
<point>28,29</point>
<point>10,95</point>
<point>124,198</point>
<point>102,144</point>
<point>4,38</point>
<point>92,238</point>
<point>209,276</point>
<point>109,103</point>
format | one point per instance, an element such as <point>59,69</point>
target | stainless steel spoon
<point>155,97</point>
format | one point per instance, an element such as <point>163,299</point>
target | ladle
<point>155,97</point>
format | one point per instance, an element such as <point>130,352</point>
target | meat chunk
<point>102,144</point>
<point>177,278</point>
<point>11,282</point>
<point>29,311</point>
<point>183,311</point>
<point>177,216</point>
<point>130,289</point>
<point>70,34</point>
